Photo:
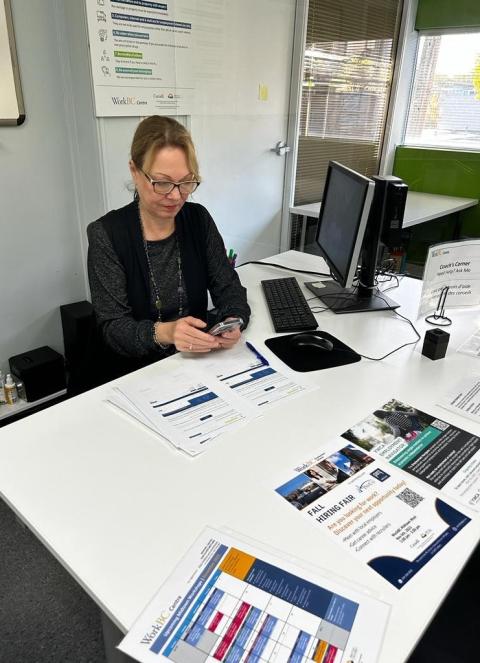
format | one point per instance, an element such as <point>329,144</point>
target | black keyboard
<point>287,305</point>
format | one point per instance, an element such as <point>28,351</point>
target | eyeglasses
<point>165,187</point>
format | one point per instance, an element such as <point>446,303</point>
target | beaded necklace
<point>180,291</point>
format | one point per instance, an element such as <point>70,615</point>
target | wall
<point>41,265</point>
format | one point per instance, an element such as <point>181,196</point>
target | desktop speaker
<point>78,322</point>
<point>41,370</point>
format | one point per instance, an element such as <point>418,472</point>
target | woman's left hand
<point>228,339</point>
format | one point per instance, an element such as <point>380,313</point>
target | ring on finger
<point>190,347</point>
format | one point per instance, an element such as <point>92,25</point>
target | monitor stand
<point>350,300</point>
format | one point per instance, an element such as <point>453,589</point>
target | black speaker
<point>41,370</point>
<point>77,324</point>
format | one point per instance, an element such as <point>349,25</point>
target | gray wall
<point>41,267</point>
<point>41,255</point>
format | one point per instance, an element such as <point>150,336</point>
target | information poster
<point>442,455</point>
<point>231,601</point>
<point>141,55</point>
<point>372,510</point>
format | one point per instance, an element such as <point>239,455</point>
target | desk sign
<point>455,265</point>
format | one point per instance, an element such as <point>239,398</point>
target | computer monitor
<point>348,233</point>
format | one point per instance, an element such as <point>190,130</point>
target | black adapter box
<point>435,343</point>
<point>41,370</point>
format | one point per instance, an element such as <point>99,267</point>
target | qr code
<point>410,497</point>
<point>441,425</point>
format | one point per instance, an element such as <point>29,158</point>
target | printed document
<point>253,378</point>
<point>381,516</point>
<point>464,397</point>
<point>208,395</point>
<point>430,449</point>
<point>187,409</point>
<point>229,600</point>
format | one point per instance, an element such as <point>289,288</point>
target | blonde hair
<point>155,132</point>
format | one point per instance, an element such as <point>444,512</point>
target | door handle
<point>281,148</point>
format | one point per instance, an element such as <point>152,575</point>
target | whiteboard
<point>11,100</point>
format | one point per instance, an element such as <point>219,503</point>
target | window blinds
<point>348,64</point>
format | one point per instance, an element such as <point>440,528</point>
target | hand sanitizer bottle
<point>10,390</point>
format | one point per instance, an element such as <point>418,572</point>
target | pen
<point>256,353</point>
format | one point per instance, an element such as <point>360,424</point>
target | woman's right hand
<point>186,335</point>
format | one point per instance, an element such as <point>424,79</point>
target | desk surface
<point>118,507</point>
<point>420,207</point>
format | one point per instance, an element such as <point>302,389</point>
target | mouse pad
<point>307,358</point>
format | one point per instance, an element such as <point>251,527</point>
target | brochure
<point>379,515</point>
<point>230,600</point>
<point>430,449</point>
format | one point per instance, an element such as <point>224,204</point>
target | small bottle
<point>10,390</point>
<point>2,391</point>
<point>20,390</point>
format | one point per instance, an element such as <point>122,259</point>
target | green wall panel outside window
<point>433,14</point>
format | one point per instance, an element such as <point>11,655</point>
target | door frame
<point>296,79</point>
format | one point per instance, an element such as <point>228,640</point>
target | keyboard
<point>287,305</point>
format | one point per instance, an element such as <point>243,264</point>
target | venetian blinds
<point>348,65</point>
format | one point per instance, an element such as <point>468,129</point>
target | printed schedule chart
<point>242,608</point>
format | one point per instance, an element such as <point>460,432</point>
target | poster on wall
<point>141,54</point>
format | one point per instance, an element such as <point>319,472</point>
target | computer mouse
<point>307,340</point>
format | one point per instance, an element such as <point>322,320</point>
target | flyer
<point>231,600</point>
<point>386,520</point>
<point>430,449</point>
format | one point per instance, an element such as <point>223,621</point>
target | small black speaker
<point>41,370</point>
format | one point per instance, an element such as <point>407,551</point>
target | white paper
<point>371,509</point>
<point>464,397</point>
<point>456,265</point>
<point>244,383</point>
<point>230,600</point>
<point>186,408</point>
<point>253,378</point>
<point>472,345</point>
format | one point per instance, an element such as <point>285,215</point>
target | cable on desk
<point>290,269</point>
<point>304,271</point>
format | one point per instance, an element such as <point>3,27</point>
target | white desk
<point>420,208</point>
<point>117,507</point>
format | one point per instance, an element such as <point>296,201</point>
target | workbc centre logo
<point>129,101</point>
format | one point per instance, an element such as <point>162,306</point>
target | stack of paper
<point>192,404</point>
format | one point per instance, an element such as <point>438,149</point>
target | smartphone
<point>227,325</point>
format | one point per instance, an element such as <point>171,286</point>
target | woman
<point>152,263</point>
